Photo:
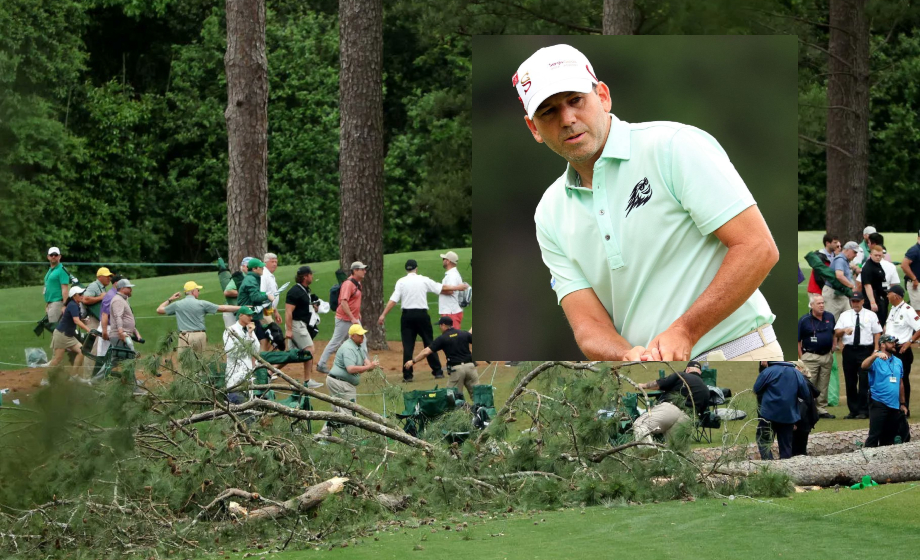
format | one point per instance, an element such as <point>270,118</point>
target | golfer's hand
<point>380,319</point>
<point>355,322</point>
<point>672,344</point>
<point>375,362</point>
<point>634,355</point>
<point>874,307</point>
<point>288,333</point>
<point>905,347</point>
<point>408,364</point>
<point>848,330</point>
<point>251,327</point>
<point>271,297</point>
<point>916,283</point>
<point>176,295</point>
<point>367,361</point>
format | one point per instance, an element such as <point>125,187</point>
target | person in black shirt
<point>685,390</point>
<point>456,346</point>
<point>873,278</point>
<point>64,338</point>
<point>300,324</point>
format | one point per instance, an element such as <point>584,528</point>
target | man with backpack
<point>347,313</point>
<point>815,281</point>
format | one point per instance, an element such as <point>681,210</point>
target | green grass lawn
<point>20,308</point>
<point>811,526</point>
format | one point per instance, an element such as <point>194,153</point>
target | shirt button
<point>607,237</point>
<point>601,212</point>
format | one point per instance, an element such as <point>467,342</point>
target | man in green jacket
<point>251,294</point>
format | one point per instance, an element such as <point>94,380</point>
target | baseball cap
<point>76,290</point>
<point>304,270</point>
<point>245,261</point>
<point>887,338</point>
<point>451,256</point>
<point>851,245</point>
<point>104,272</point>
<point>54,251</point>
<point>411,264</point>
<point>356,329</point>
<point>549,71</point>
<point>191,285</point>
<point>357,265</point>
<point>896,288</point>
<point>694,363</point>
<point>255,263</point>
<point>246,310</point>
<point>857,296</point>
<point>868,230</point>
<point>446,321</point>
<point>123,283</point>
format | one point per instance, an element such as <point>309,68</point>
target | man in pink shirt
<point>347,314</point>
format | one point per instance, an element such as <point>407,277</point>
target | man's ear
<point>604,93</point>
<point>533,129</point>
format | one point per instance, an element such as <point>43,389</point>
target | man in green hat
<point>240,350</point>
<point>251,294</point>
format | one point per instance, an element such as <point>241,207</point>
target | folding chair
<point>421,407</point>
<point>483,405</point>
<point>113,356</point>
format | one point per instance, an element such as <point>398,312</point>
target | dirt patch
<point>24,382</point>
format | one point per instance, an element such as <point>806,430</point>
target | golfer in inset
<point>655,245</point>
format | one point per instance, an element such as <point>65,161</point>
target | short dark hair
<point>876,239</point>
<point>828,238</point>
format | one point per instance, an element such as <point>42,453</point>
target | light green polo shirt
<point>348,354</point>
<point>643,238</point>
<point>190,312</point>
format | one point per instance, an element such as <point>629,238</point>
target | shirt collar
<point>616,147</point>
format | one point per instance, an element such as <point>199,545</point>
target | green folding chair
<point>421,407</point>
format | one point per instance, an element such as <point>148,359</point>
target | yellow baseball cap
<point>104,272</point>
<point>191,285</point>
<point>356,329</point>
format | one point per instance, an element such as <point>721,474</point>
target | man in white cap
<point>862,253</point>
<point>449,300</point>
<point>64,338</point>
<point>836,302</point>
<point>655,245</point>
<point>122,326</point>
<point>57,285</point>
<point>348,313</point>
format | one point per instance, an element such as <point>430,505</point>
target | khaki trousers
<point>819,372</point>
<point>194,340</point>
<point>914,294</point>
<point>464,374</point>
<point>658,420</point>
<point>834,303</point>
<point>55,310</point>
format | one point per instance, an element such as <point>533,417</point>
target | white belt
<point>743,344</point>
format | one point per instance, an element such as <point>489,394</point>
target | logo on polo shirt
<point>641,194</point>
<point>552,282</point>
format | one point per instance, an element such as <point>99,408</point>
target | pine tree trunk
<point>847,119</point>
<point>619,17</point>
<point>361,152</point>
<point>893,463</point>
<point>819,444</point>
<point>247,129</point>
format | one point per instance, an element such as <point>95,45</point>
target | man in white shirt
<point>449,301</point>
<point>904,324</point>
<point>269,285</point>
<point>240,360</point>
<point>858,330</point>
<point>411,292</point>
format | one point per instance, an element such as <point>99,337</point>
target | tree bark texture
<point>619,17</point>
<point>361,152</point>
<point>247,129</point>
<point>893,463</point>
<point>847,119</point>
<point>819,444</point>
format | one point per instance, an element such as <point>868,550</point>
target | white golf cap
<point>75,291</point>
<point>54,251</point>
<point>549,71</point>
<point>868,230</point>
<point>451,256</point>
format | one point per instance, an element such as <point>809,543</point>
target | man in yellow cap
<point>190,313</point>
<point>92,300</point>
<point>349,363</point>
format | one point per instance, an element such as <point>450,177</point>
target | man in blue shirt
<point>911,267</point>
<point>816,349</point>
<point>886,383</point>
<point>837,303</point>
<point>778,388</point>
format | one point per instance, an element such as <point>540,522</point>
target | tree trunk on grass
<point>619,17</point>
<point>819,444</point>
<point>847,119</point>
<point>247,129</point>
<point>361,153</point>
<point>893,463</point>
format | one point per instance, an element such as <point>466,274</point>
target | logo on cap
<point>514,80</point>
<point>525,82</point>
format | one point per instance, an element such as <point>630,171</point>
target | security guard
<point>904,324</point>
<point>456,345</point>
<point>411,292</point>
<point>858,330</point>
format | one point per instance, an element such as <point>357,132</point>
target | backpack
<point>827,274</point>
<point>819,280</point>
<point>334,297</point>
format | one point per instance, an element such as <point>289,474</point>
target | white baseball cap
<point>451,256</point>
<point>54,250</point>
<point>75,291</point>
<point>549,71</point>
<point>868,230</point>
